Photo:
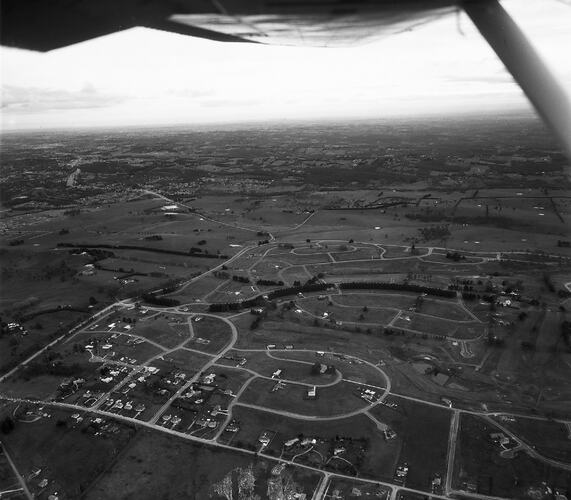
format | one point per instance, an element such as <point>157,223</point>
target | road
<point>21,479</point>
<point>452,438</point>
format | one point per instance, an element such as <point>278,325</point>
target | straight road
<point>454,424</point>
<point>21,480</point>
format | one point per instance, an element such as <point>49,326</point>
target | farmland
<point>189,334</point>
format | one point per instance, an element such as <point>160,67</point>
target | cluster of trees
<point>7,425</point>
<point>316,369</point>
<point>455,256</point>
<point>223,275</point>
<point>434,232</point>
<point>269,283</point>
<point>152,298</point>
<point>469,295</point>
<point>241,279</point>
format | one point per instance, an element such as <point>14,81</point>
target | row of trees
<point>194,251</point>
<point>320,287</point>
<point>404,287</point>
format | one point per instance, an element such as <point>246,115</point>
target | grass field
<point>440,326</point>
<point>331,401</point>
<point>422,431</point>
<point>549,438</point>
<point>158,330</point>
<point>265,365</point>
<point>139,352</point>
<point>212,329</point>
<point>378,461</point>
<point>346,488</point>
<point>231,291</point>
<point>295,273</point>
<point>478,460</point>
<point>157,466</point>
<point>358,253</point>
<point>346,313</point>
<point>350,368</point>
<point>69,459</point>
<point>188,361</point>
<point>229,378</point>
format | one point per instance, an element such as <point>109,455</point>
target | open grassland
<point>189,361</point>
<point>265,364</point>
<point>439,326</point>
<point>478,460</point>
<point>197,289</point>
<point>158,329</point>
<point>230,378</point>
<point>305,336</point>
<point>353,314</point>
<point>422,432</point>
<point>213,330</point>
<point>295,273</point>
<point>349,367</point>
<point>378,460</point>
<point>231,291</point>
<point>69,458</point>
<point>356,253</point>
<point>157,466</point>
<point>551,439</point>
<point>336,400</point>
<point>122,346</point>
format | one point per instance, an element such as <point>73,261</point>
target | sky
<point>148,77</point>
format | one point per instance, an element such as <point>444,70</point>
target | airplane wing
<point>45,25</point>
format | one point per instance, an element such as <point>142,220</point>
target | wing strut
<point>525,65</point>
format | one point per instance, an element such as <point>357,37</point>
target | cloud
<point>229,103</point>
<point>191,93</point>
<point>33,99</point>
